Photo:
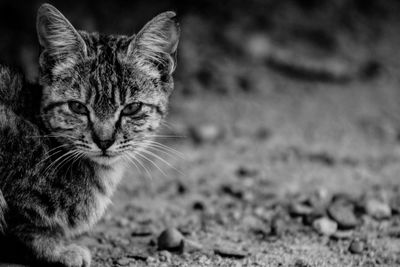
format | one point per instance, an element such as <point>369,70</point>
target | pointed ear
<point>62,44</point>
<point>157,42</point>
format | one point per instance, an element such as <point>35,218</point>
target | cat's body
<point>64,145</point>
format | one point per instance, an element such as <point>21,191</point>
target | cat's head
<point>105,95</point>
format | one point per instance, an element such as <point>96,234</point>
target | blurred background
<point>230,36</point>
<point>277,101</point>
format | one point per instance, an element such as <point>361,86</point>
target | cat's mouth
<point>105,158</point>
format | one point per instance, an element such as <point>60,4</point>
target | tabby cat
<point>65,142</point>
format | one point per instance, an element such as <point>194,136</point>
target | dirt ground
<point>268,164</point>
<point>258,167</point>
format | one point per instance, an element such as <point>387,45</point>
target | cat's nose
<point>104,144</point>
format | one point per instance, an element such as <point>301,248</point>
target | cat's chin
<point>105,160</point>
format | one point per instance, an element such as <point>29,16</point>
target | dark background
<point>216,31</point>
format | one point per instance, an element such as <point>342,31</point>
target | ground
<point>262,151</point>
<point>247,158</point>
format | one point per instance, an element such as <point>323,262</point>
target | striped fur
<point>56,178</point>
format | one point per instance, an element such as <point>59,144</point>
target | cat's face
<point>104,96</point>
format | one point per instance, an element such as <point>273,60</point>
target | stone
<point>325,226</point>
<point>170,239</point>
<point>141,231</point>
<point>378,209</point>
<point>343,213</point>
<point>310,218</point>
<point>246,171</point>
<point>123,261</point>
<point>395,204</point>
<point>342,234</point>
<point>319,199</point>
<point>191,246</point>
<point>278,226</point>
<point>301,263</point>
<point>165,256</point>
<point>207,133</point>
<point>258,46</point>
<point>122,222</point>
<point>356,247</point>
<point>299,209</point>
<point>228,252</point>
<point>263,133</point>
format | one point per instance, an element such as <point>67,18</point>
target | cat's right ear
<point>62,44</point>
<point>157,42</point>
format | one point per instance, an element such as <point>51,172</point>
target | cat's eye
<point>78,107</point>
<point>131,109</point>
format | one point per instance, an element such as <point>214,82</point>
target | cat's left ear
<point>62,44</point>
<point>157,42</point>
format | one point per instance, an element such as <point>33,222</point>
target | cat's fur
<point>60,161</point>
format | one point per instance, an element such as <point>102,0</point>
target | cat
<point>65,142</point>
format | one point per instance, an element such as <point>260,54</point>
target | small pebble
<point>342,212</point>
<point>377,209</point>
<point>278,226</point>
<point>207,133</point>
<point>394,232</point>
<point>198,205</point>
<point>246,171</point>
<point>137,255</point>
<point>325,226</point>
<point>342,234</point>
<point>310,218</point>
<point>263,134</point>
<point>230,252</point>
<point>301,263</point>
<point>122,222</point>
<point>165,256</point>
<point>356,247</point>
<point>395,204</point>
<point>258,46</point>
<point>142,230</point>
<point>170,239</point>
<point>298,209</point>
<point>319,199</point>
<point>191,246</point>
<point>123,261</point>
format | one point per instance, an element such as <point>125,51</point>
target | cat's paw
<point>75,256</point>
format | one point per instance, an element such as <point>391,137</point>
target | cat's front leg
<point>50,249</point>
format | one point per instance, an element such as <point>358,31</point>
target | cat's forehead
<point>105,81</point>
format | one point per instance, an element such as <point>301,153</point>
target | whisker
<point>141,164</point>
<point>152,162</point>
<point>57,160</point>
<point>178,153</point>
<point>159,150</point>
<point>54,136</point>
<point>167,136</point>
<point>75,159</point>
<point>65,160</point>
<point>163,160</point>
<point>126,157</point>
<point>51,153</point>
